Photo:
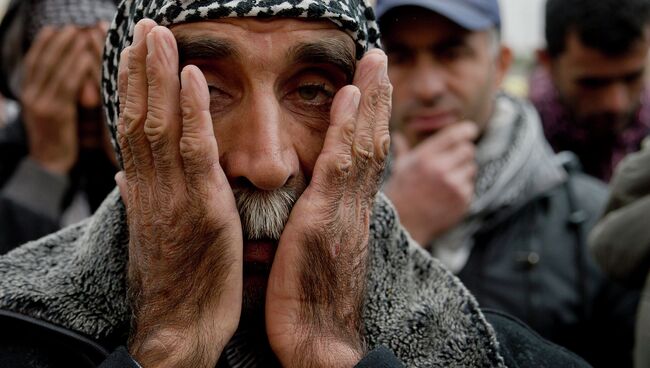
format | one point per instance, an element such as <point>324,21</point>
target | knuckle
<point>133,117</point>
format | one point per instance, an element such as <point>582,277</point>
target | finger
<point>198,145</point>
<point>34,53</point>
<point>400,145</point>
<point>448,137</point>
<point>122,88</point>
<point>372,138</point>
<point>71,72</point>
<point>461,154</point>
<point>163,124</point>
<point>135,109</point>
<point>335,161</point>
<point>53,52</point>
<point>122,186</point>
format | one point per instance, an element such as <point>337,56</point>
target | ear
<point>504,60</point>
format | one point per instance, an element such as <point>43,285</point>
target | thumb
<point>400,144</point>
<point>120,179</point>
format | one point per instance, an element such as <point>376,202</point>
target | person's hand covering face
<point>262,110</point>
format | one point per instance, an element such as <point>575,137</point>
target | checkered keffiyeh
<point>355,17</point>
<point>25,18</point>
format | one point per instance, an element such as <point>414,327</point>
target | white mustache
<point>264,213</point>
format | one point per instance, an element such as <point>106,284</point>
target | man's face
<point>599,89</point>
<point>271,87</point>
<point>441,74</point>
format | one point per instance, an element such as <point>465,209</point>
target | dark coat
<point>621,240</point>
<point>38,344</point>
<point>533,263</point>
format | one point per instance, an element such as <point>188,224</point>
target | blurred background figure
<point>477,184</point>
<point>592,93</point>
<point>57,162</point>
<point>621,241</point>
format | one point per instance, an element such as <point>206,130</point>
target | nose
<point>427,80</point>
<point>259,151</point>
<point>616,98</point>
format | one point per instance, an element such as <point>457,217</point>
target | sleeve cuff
<point>120,358</point>
<point>36,189</point>
<point>380,357</point>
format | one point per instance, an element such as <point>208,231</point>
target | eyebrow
<point>197,47</point>
<point>328,51</point>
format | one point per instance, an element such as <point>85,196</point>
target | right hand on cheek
<point>185,248</point>
<point>432,185</point>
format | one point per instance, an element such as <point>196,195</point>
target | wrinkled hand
<point>432,185</point>
<point>316,286</point>
<point>57,65</point>
<point>185,248</point>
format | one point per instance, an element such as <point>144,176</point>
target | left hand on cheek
<point>317,283</point>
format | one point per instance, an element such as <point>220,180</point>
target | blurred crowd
<point>535,203</point>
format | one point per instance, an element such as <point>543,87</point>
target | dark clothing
<point>27,342</point>
<point>532,262</point>
<point>76,279</point>
<point>32,201</point>
<point>621,240</point>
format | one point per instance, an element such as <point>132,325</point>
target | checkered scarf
<point>355,17</point>
<point>25,18</point>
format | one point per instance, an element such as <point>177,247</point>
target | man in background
<point>591,92</point>
<point>57,161</point>
<point>475,182</point>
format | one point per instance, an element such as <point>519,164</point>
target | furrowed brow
<point>204,48</point>
<point>330,51</point>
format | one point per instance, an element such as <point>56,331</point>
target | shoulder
<point>522,347</point>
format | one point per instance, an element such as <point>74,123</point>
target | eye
<point>315,92</point>
<point>219,99</point>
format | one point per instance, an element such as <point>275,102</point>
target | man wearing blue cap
<point>475,182</point>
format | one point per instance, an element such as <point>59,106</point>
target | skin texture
<point>262,123</point>
<point>601,89</point>
<point>60,99</point>
<point>445,79</point>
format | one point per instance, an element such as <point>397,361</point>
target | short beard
<point>263,216</point>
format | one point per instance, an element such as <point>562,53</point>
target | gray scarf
<point>515,164</point>
<point>76,279</point>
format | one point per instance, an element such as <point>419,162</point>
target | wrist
<point>60,167</point>
<point>176,347</point>
<point>325,352</point>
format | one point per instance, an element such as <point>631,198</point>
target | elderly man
<point>253,234</point>
<point>57,162</point>
<point>591,92</point>
<point>475,182</point>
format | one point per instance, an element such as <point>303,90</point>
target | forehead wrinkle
<point>326,51</point>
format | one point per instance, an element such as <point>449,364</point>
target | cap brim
<point>464,16</point>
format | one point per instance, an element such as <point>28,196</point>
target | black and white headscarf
<point>355,17</point>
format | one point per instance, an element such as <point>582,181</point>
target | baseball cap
<point>474,15</point>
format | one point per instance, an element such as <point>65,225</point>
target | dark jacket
<point>621,240</point>
<point>38,344</point>
<point>64,301</point>
<point>533,262</point>
<point>32,200</point>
